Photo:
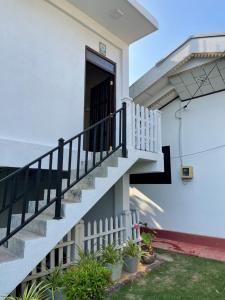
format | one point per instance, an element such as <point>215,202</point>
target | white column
<point>121,198</point>
<point>130,107</point>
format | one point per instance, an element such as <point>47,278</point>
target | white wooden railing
<point>143,128</point>
<point>91,236</point>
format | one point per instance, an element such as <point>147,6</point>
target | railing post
<point>159,135</point>
<point>59,180</point>
<point>130,117</point>
<point>124,130</point>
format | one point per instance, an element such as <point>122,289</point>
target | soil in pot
<point>116,270</point>
<point>131,264</point>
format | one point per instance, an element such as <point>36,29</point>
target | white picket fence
<point>91,237</point>
<point>143,128</point>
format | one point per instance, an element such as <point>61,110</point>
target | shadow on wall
<point>147,208</point>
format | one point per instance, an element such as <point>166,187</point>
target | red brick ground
<point>190,249</point>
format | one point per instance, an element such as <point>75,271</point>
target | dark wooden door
<point>102,104</point>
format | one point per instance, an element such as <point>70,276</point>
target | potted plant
<point>131,256</point>
<point>148,255</point>
<point>54,281</point>
<point>35,291</point>
<point>112,260</point>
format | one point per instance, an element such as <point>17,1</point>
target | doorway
<point>100,82</point>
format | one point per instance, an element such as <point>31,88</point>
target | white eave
<point>148,89</point>
<point>126,19</point>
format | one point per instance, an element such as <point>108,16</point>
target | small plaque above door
<point>102,48</point>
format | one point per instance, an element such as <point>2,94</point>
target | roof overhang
<point>155,88</point>
<point>126,19</point>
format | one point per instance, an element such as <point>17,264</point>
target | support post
<point>59,180</point>
<point>124,130</point>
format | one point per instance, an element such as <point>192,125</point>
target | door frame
<point>103,63</point>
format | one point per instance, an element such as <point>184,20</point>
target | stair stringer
<point>13,272</point>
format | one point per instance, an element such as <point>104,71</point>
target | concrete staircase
<point>31,244</point>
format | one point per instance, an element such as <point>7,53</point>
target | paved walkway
<point>190,249</point>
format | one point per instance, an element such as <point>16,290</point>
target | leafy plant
<point>85,256</point>
<point>111,255</point>
<point>55,279</point>
<point>87,280</point>
<point>131,249</point>
<point>33,292</point>
<point>147,240</point>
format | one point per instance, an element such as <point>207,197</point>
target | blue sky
<point>178,19</point>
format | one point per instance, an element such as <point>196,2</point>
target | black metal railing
<point>75,157</point>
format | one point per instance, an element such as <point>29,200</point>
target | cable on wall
<point>200,152</point>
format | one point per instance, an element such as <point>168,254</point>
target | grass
<point>186,278</point>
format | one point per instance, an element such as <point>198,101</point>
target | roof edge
<point>145,13</point>
<point>191,37</point>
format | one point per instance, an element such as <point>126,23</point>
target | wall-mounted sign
<point>102,48</point>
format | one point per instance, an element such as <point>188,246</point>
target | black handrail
<point>104,137</point>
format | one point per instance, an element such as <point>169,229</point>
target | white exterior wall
<point>113,203</point>
<point>42,75</point>
<point>196,207</point>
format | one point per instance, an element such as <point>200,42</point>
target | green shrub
<point>33,292</point>
<point>86,281</point>
<point>55,279</point>
<point>132,249</point>
<point>111,254</point>
<point>86,256</point>
<point>147,241</point>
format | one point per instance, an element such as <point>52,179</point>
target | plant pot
<point>56,295</point>
<point>148,259</point>
<point>116,270</point>
<point>131,264</point>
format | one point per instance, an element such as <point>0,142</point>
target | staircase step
<point>111,161</point>
<point>16,244</point>
<point>2,233</point>
<point>37,225</point>
<point>74,195</point>
<point>84,184</point>
<point>100,171</point>
<point>50,211</point>
<point>6,255</point>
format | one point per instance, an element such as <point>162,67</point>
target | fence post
<point>79,238</point>
<point>127,224</point>
<point>130,121</point>
<point>59,180</point>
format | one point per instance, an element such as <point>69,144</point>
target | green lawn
<point>185,278</point>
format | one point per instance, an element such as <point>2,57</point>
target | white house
<point>188,86</point>
<point>64,75</point>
